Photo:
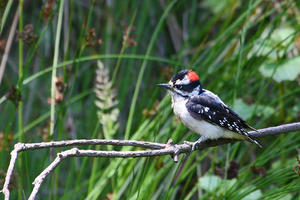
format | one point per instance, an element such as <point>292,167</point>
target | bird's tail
<point>250,138</point>
<point>251,128</point>
<point>253,140</point>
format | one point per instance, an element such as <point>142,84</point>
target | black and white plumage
<point>204,112</point>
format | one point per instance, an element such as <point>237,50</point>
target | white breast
<point>200,127</point>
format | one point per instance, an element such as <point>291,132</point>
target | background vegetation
<point>104,66</point>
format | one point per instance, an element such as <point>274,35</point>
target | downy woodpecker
<point>204,112</point>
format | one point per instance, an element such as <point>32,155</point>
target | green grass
<point>226,43</point>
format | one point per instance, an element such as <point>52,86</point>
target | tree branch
<point>276,130</point>
<point>156,149</point>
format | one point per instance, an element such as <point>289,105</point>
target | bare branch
<point>14,156</point>
<point>171,149</point>
<point>65,143</point>
<point>276,130</point>
<point>261,133</point>
<point>157,149</point>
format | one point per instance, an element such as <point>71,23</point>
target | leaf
<point>264,110</point>
<point>212,182</point>
<point>276,45</point>
<point>282,35</point>
<point>296,110</point>
<point>288,70</point>
<point>253,195</point>
<point>286,197</point>
<point>244,110</point>
<point>209,183</point>
<point>267,69</point>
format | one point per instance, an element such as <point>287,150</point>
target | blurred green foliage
<point>245,51</point>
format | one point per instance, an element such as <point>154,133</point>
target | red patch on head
<point>193,76</point>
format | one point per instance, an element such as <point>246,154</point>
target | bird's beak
<point>165,85</point>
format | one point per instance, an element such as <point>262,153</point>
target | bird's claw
<point>195,144</point>
<point>192,144</point>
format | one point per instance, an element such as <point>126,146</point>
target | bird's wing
<point>209,107</point>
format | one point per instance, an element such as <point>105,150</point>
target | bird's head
<point>185,83</point>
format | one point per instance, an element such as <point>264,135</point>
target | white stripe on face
<point>184,81</point>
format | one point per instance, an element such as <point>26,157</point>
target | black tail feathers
<point>253,140</point>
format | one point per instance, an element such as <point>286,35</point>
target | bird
<point>203,112</point>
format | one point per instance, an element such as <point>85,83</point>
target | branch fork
<point>153,149</point>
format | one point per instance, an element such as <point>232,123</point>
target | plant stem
<point>142,70</point>
<point>54,67</point>
<point>20,88</point>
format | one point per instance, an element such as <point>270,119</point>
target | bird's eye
<point>178,86</point>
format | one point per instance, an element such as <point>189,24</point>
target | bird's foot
<point>190,144</point>
<point>194,144</point>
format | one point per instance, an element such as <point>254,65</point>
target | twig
<point>261,133</point>
<point>19,147</point>
<point>157,149</point>
<point>75,152</point>
<point>14,156</point>
<point>64,143</point>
